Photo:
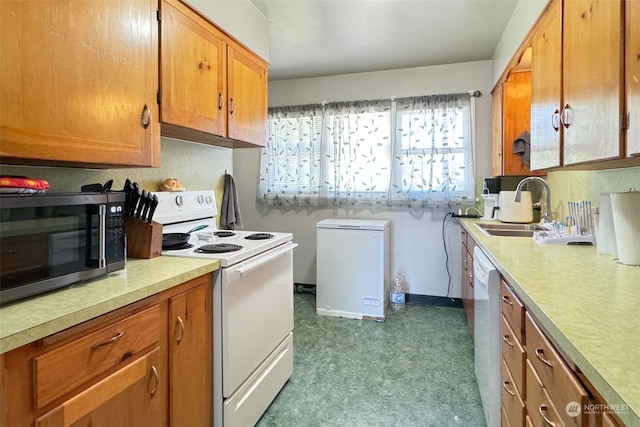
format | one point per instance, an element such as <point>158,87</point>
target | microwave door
<point>96,235</point>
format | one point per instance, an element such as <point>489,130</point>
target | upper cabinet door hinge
<point>159,97</point>
<point>625,121</point>
<point>158,15</point>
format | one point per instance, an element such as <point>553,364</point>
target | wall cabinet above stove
<point>213,90</point>
<point>77,91</point>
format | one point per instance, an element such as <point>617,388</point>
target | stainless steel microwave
<point>52,240</point>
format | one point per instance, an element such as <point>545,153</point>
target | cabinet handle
<point>156,379</point>
<point>542,409</point>
<point>115,338</point>
<point>505,338</point>
<point>505,299</point>
<point>232,106</point>
<point>471,278</point>
<point>504,386</point>
<point>555,120</point>
<point>145,117</point>
<point>180,324</point>
<point>539,352</point>
<point>566,116</point>
<point>220,101</point>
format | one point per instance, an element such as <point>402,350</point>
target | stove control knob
<point>209,200</point>
<point>200,198</point>
<point>179,201</point>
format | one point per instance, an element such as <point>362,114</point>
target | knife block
<point>144,240</point>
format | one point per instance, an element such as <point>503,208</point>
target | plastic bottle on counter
<point>396,296</point>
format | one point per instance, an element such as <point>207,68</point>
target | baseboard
<point>308,288</point>
<point>433,300</point>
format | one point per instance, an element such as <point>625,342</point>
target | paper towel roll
<point>626,222</point>
<point>606,235</point>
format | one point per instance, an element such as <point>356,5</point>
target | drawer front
<point>513,354</point>
<point>513,310</point>
<point>512,404</point>
<point>540,408</point>
<point>504,422</point>
<point>559,380</point>
<point>71,365</point>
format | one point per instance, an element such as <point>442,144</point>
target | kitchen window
<point>410,152</point>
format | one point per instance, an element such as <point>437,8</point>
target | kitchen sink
<point>514,230</point>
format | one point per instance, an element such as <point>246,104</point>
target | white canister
<point>625,208</point>
<point>511,211</point>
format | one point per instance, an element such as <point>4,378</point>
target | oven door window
<point>39,243</point>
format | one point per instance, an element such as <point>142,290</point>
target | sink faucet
<point>546,217</point>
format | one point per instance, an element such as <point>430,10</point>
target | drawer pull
<point>539,352</point>
<point>115,338</point>
<point>543,409</point>
<point>504,386</point>
<point>180,324</point>
<point>505,299</point>
<point>505,338</point>
<point>156,379</point>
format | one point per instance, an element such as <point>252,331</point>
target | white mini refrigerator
<point>353,269</point>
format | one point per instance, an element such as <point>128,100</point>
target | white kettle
<point>510,211</point>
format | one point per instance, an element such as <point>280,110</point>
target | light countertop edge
<point>585,301</point>
<point>34,318</point>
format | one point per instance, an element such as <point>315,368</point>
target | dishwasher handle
<point>245,268</point>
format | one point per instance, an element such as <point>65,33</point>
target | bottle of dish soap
<point>396,296</point>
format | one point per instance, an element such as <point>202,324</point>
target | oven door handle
<point>270,255</point>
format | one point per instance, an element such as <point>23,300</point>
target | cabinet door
<point>247,85</point>
<point>592,80</point>
<point>193,71</point>
<point>191,357</point>
<point>130,397</point>
<point>516,107</point>
<point>546,87</point>
<point>79,82</point>
<point>632,73</point>
<point>496,131</point>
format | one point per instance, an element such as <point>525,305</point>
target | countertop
<point>588,304</point>
<point>28,320</point>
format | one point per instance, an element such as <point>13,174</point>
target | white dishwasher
<point>486,295</point>
<point>353,268</point>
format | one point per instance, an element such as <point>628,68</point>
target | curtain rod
<point>473,93</point>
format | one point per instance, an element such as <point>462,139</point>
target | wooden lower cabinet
<point>130,397</point>
<point>191,378</point>
<point>538,386</point>
<point>136,366</point>
<point>467,280</point>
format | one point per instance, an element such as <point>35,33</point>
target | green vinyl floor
<point>414,369</point>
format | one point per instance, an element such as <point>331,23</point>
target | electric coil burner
<point>177,247</point>
<point>224,234</point>
<point>259,236</point>
<point>218,248</point>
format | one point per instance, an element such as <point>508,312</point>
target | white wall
<point>417,247</point>
<point>524,16</point>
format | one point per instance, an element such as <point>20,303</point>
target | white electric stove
<point>252,301</point>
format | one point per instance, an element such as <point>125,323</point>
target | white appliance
<point>252,305</point>
<point>486,294</point>
<point>353,268</point>
<point>512,211</point>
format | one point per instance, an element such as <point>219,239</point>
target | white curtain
<point>411,152</point>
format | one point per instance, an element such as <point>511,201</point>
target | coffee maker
<point>490,195</point>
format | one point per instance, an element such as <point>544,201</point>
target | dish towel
<point>230,218</point>
<point>522,147</point>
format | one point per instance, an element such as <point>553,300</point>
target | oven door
<point>257,312</point>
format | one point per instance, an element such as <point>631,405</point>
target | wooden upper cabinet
<point>592,80</point>
<point>632,73</point>
<point>546,89</point>
<point>213,89</point>
<point>193,79</point>
<point>247,97</point>
<point>496,130</point>
<point>516,107</point>
<point>79,82</point>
